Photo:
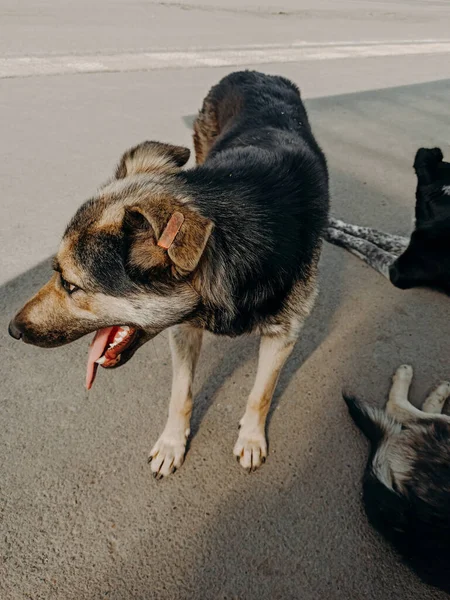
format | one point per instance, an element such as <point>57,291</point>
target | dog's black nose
<point>394,275</point>
<point>400,280</point>
<point>14,330</point>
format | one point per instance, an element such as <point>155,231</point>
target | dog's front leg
<point>168,452</point>
<point>251,446</point>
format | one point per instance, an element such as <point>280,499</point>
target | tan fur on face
<point>69,268</point>
<point>50,300</point>
<point>52,317</point>
<point>146,187</point>
<point>146,310</point>
<point>189,244</point>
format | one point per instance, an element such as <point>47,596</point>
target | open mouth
<point>109,348</point>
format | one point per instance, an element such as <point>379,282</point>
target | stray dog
<point>407,478</point>
<point>424,260</point>
<point>230,246</point>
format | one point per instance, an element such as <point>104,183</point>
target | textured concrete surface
<point>80,516</point>
<point>62,26</point>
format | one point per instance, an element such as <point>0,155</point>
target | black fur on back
<point>265,185</point>
<point>414,515</point>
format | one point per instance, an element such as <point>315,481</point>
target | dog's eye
<point>69,287</point>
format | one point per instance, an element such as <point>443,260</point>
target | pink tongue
<point>96,350</point>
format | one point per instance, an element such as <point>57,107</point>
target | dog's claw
<point>251,446</point>
<point>168,453</point>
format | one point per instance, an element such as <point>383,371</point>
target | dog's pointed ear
<point>162,236</point>
<point>426,164</point>
<point>152,157</point>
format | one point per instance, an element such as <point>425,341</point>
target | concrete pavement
<point>63,27</point>
<point>80,516</point>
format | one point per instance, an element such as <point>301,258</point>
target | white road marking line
<point>28,66</point>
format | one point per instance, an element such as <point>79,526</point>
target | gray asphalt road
<point>80,516</point>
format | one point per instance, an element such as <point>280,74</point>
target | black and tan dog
<point>424,259</point>
<point>230,246</point>
<point>407,479</point>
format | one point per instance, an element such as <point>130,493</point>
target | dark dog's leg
<point>375,257</point>
<point>394,244</point>
<point>399,407</point>
<point>251,446</point>
<point>168,452</point>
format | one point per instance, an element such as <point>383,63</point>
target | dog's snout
<point>400,279</point>
<point>394,275</point>
<point>14,330</point>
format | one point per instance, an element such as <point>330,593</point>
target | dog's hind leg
<point>394,244</point>
<point>168,452</point>
<point>436,400</point>
<point>375,257</point>
<point>251,446</point>
<point>399,407</point>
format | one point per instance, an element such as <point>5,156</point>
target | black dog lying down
<point>407,478</point>
<point>424,260</point>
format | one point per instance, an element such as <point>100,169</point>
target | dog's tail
<point>373,422</point>
<point>426,163</point>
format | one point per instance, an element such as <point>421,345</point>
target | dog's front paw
<point>167,454</point>
<point>251,446</point>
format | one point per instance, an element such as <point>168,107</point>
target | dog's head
<point>126,261</point>
<point>426,261</point>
